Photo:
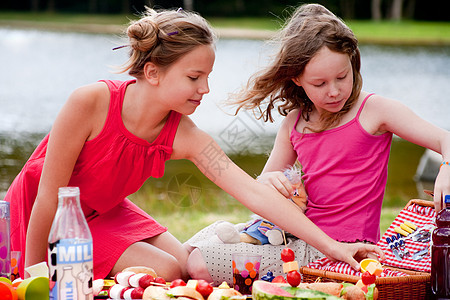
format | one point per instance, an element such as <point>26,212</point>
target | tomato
<point>177,282</point>
<point>279,279</point>
<point>368,278</point>
<point>204,288</point>
<point>293,278</point>
<point>287,255</point>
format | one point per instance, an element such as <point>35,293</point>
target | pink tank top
<point>345,174</point>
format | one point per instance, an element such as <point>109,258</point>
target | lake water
<point>39,69</point>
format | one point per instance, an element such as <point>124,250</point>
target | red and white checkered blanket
<point>414,213</point>
<point>344,268</point>
<point>420,216</point>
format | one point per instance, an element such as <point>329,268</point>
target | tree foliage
<point>434,10</point>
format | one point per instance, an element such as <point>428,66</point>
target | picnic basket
<point>416,285</point>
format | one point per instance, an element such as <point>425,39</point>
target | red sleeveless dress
<point>110,167</point>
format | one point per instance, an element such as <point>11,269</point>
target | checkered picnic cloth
<point>414,213</point>
<point>420,216</point>
<point>344,268</point>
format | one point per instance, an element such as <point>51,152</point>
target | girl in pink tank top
<point>111,136</point>
<point>339,134</point>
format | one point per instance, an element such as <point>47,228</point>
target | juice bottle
<point>5,243</point>
<point>440,254</point>
<point>70,250</point>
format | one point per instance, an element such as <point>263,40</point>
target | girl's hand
<point>441,187</point>
<point>351,253</point>
<point>278,181</point>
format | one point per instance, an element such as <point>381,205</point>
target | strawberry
<point>279,279</point>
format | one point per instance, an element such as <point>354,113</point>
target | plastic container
<point>5,241</point>
<point>440,254</point>
<point>70,256</point>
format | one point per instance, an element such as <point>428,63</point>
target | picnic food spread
<point>412,226</point>
<point>263,290</point>
<point>147,285</point>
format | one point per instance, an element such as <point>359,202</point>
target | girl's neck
<point>142,113</point>
<point>314,122</point>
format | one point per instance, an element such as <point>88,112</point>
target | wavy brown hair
<point>164,36</point>
<point>310,28</point>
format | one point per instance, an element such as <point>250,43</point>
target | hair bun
<point>143,35</point>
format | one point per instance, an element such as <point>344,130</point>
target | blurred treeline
<point>430,10</point>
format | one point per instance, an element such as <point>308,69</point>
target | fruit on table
<point>5,279</point>
<point>287,255</point>
<point>279,279</point>
<point>33,288</point>
<point>177,282</point>
<point>160,280</point>
<point>293,278</point>
<point>368,278</point>
<point>7,291</point>
<point>204,288</point>
<point>263,290</point>
<point>268,277</point>
<point>190,292</point>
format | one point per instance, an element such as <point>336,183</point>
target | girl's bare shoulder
<point>290,121</point>
<point>91,94</point>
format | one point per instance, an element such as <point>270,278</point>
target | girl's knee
<point>172,269</point>
<point>196,266</point>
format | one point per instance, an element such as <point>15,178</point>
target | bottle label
<point>5,261</point>
<point>71,269</point>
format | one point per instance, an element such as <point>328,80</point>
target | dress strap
<point>171,126</point>
<point>298,118</point>
<point>362,105</point>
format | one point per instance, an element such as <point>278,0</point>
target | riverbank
<point>238,33</point>
<point>403,33</point>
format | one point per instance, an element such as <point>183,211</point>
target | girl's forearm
<point>37,233</point>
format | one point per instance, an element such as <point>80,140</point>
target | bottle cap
<point>447,199</point>
<point>68,191</point>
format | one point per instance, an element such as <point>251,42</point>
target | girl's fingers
<point>278,181</point>
<point>285,188</point>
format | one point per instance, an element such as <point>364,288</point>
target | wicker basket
<point>414,286</point>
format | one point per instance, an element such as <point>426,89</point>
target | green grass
<point>384,32</point>
<point>183,221</point>
<point>39,17</point>
<point>405,32</point>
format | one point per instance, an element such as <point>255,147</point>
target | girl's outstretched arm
<point>381,115</point>
<point>263,200</point>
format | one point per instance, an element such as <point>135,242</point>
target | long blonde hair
<point>310,28</point>
<point>164,36</point>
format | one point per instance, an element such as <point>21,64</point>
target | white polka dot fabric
<point>218,255</point>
